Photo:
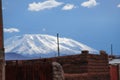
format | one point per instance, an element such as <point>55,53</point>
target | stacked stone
<point>58,73</point>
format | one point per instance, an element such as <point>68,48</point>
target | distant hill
<point>14,56</point>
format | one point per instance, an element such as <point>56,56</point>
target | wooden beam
<point>2,59</point>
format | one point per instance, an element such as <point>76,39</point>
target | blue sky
<point>93,22</point>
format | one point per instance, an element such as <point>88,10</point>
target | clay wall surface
<point>28,70</point>
<point>84,66</point>
<point>87,66</point>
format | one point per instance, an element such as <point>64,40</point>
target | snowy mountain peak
<point>39,45</point>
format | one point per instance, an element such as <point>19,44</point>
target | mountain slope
<point>14,56</point>
<point>39,45</point>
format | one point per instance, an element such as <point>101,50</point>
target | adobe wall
<point>71,64</point>
<point>83,66</point>
<point>87,66</point>
<point>87,77</point>
<point>29,70</point>
<point>83,63</point>
<point>98,63</point>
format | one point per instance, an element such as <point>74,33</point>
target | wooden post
<point>111,50</point>
<point>2,59</point>
<point>58,44</point>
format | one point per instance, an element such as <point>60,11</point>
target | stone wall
<point>58,73</point>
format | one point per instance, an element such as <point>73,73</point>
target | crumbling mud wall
<point>84,66</point>
<point>28,70</point>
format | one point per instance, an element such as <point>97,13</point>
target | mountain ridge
<point>37,45</point>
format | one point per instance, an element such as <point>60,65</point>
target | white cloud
<point>118,5</point>
<point>43,5</point>
<point>11,30</point>
<point>89,3</point>
<point>68,7</point>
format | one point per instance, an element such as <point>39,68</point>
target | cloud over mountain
<point>11,30</point>
<point>49,4</point>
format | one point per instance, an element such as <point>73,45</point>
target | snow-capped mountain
<point>39,45</point>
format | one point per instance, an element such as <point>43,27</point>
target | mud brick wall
<point>82,63</point>
<point>98,63</point>
<point>33,70</point>
<point>87,76</point>
<point>84,66</point>
<point>74,64</point>
<point>28,70</point>
<point>1,67</point>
